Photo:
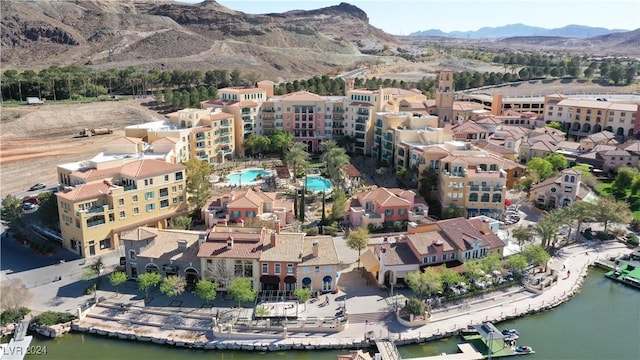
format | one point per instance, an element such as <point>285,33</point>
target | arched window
<point>473,197</point>
<point>485,197</point>
<point>152,268</point>
<point>497,198</point>
<point>566,178</point>
<point>573,178</point>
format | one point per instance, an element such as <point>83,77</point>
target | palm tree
<point>297,156</point>
<point>580,211</point>
<point>337,161</point>
<point>547,227</point>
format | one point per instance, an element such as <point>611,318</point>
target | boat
<point>524,349</point>
<point>508,332</point>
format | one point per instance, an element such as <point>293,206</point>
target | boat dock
<point>467,352</point>
<point>627,274</point>
<point>387,350</point>
<point>17,347</point>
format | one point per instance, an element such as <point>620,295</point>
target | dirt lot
<point>34,139</point>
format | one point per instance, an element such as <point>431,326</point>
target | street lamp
<point>365,329</point>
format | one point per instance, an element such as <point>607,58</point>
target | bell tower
<point>349,84</point>
<point>444,97</point>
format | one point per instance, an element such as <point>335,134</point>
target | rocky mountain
<point>163,34</point>
<point>621,43</point>
<point>512,30</point>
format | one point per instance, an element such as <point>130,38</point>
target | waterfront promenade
<point>195,329</point>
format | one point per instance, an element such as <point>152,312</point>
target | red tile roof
<point>353,172</point>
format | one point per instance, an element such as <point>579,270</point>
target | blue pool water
<point>318,183</point>
<point>246,177</point>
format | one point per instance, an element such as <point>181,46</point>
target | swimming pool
<point>317,183</point>
<point>246,177</point>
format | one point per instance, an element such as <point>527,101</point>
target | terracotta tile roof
<point>247,103</point>
<point>496,149</point>
<point>167,140</point>
<point>327,254</point>
<point>544,146</point>
<point>633,147</point>
<point>85,191</point>
<point>283,172</point>
<point>603,136</point>
<point>265,82</point>
<point>383,197</point>
<point>425,243</point>
<point>147,168</point>
<point>288,248</point>
<point>91,174</point>
<point>150,221</point>
<point>398,253</point>
<point>200,128</point>
<point>352,171</point>
<point>246,245</point>
<point>240,90</point>
<point>302,96</point>
<point>140,233</point>
<point>359,103</point>
<point>125,140</point>
<point>469,127</point>
<point>464,232</point>
<point>165,246</point>
<point>220,116</point>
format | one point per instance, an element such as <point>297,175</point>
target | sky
<point>402,17</point>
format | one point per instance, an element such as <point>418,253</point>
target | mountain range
<point>569,31</point>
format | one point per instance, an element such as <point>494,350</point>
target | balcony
<point>247,120</point>
<point>95,223</point>
<point>268,110</point>
<point>361,120</point>
<point>364,112</point>
<point>200,136</point>
<point>130,187</point>
<point>360,128</point>
<point>201,145</point>
<point>204,157</point>
<point>225,133</point>
<point>475,187</point>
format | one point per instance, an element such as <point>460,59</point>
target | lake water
<point>602,322</point>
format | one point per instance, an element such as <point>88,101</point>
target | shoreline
<point>452,326</point>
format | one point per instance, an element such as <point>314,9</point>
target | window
<point>265,268</point>
<point>277,269</point>
<point>164,192</point>
<point>148,182</point>
<point>179,176</point>
<point>453,256</point>
<point>485,197</point>
<point>121,202</point>
<point>425,260</point>
<point>316,269</point>
<point>105,244</point>
<point>122,214</point>
<point>289,268</point>
<point>136,211</point>
<point>434,258</point>
<point>174,188</point>
<point>150,207</point>
<point>132,254</point>
<point>164,203</point>
<point>166,178</point>
<point>444,257</point>
<point>134,198</point>
<point>148,195</point>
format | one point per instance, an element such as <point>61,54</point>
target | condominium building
<point>581,117</point>
<point>104,196</point>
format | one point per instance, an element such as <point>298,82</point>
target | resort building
<point>379,205</point>
<point>167,252</point>
<point>107,195</point>
<point>232,252</point>
<point>581,117</point>
<point>279,261</point>
<point>319,267</point>
<point>451,241</point>
<point>559,191</point>
<point>204,134</point>
<point>239,206</point>
<point>590,141</point>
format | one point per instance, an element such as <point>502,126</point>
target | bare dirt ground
<point>35,139</point>
<point>409,71</point>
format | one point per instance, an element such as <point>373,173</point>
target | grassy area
<point>604,188</point>
<point>76,100</point>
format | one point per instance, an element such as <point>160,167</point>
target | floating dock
<point>627,274</point>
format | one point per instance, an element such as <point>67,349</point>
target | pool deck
<point>243,184</point>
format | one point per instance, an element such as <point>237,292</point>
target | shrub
<point>312,231</point>
<point>52,318</point>
<point>330,230</point>
<point>588,234</point>
<point>12,316</point>
<point>603,236</point>
<point>632,239</point>
<point>415,306</point>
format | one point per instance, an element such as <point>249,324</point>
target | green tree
<point>117,278</point>
<point>236,77</point>
<point>180,223</point>
<point>516,263</point>
<point>616,74</point>
<point>147,281</point>
<point>206,290</point>
<point>473,269</point>
<point>338,204</point>
<point>281,141</point>
<point>297,156</point>
<point>428,181</point>
<point>450,277</point>
<point>198,185</point>
<point>558,161</point>
<point>536,255</point>
<point>623,181</point>
<point>546,228</point>
<point>11,209</point>
<point>415,306</point>
<point>554,125</point>
<point>522,234</point>
<point>491,262</point>
<point>172,286</point>
<point>541,167</point>
<point>257,143</point>
<point>581,211</point>
<point>358,239</point>
<point>302,294</point>
<point>608,210</point>
<point>241,291</point>
<point>453,211</point>
<point>425,283</point>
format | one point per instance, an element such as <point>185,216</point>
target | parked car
<point>38,186</point>
<point>28,206</point>
<point>33,200</point>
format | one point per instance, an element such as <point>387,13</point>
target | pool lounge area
<point>318,184</point>
<point>247,177</point>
